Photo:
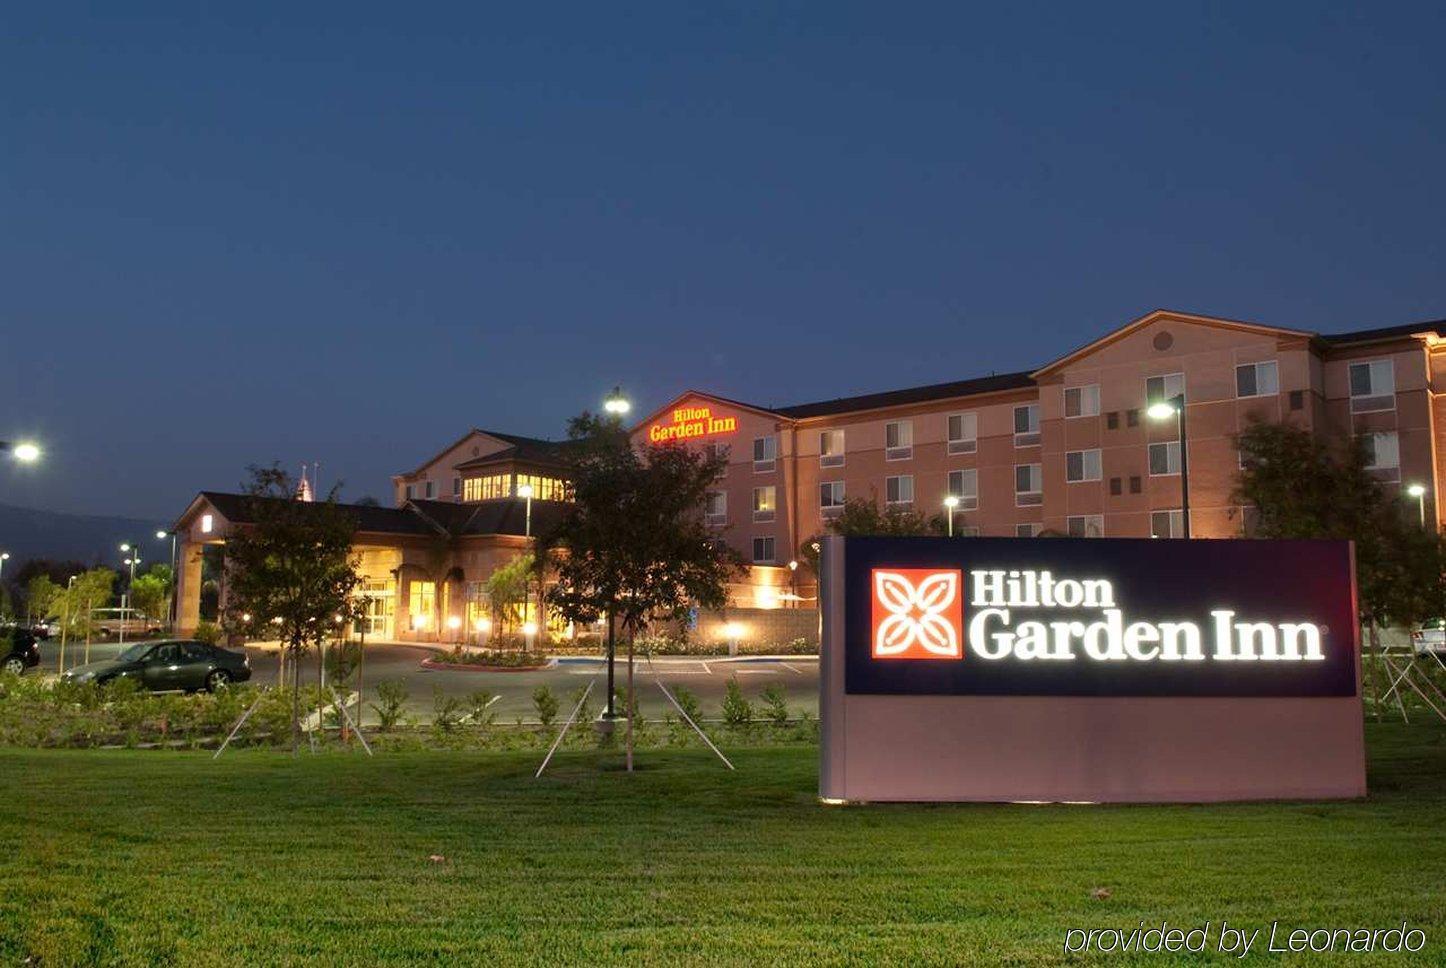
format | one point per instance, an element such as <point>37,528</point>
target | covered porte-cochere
<point>423,565</point>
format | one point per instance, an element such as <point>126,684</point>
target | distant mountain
<point>27,533</point>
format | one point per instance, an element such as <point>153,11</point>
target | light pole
<point>617,404</point>
<point>1163,411</point>
<point>1418,491</point>
<point>4,557</point>
<point>135,558</point>
<point>524,491</point>
<point>24,451</point>
<point>171,612</point>
<point>950,503</point>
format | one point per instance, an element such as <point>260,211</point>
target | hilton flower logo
<point>917,614</point>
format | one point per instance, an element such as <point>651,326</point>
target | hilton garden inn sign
<point>1038,669</point>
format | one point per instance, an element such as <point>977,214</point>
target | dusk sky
<point>349,233</point>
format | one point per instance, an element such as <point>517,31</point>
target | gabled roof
<point>237,508</point>
<point>532,449</point>
<point>1115,335</point>
<point>1436,327</point>
<point>691,394</point>
<point>993,383</point>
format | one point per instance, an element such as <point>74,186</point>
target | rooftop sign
<point>686,423</point>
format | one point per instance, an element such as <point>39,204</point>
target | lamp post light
<point>133,559</point>
<point>4,557</point>
<point>950,503</point>
<point>524,491</point>
<point>25,452</point>
<point>1418,491</point>
<point>1164,411</point>
<point>161,536</point>
<point>617,404</point>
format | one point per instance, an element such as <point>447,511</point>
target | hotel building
<point>1067,449</point>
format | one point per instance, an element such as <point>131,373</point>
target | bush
<point>208,632</point>
<point>775,703</point>
<point>492,657</point>
<point>478,704</point>
<point>584,712</point>
<point>446,710</point>
<point>391,697</point>
<point>737,711</point>
<point>620,702</point>
<point>687,702</point>
<point>545,703</point>
<point>342,660</point>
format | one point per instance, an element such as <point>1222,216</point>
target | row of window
<point>495,486</point>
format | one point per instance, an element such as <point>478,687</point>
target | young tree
<point>864,516</point>
<point>75,600</point>
<point>633,546</point>
<point>40,594</point>
<point>290,571</point>
<point>506,590</point>
<point>151,592</point>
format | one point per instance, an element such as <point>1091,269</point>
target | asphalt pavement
<point>707,678</point>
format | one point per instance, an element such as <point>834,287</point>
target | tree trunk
<point>611,713</point>
<point>295,704</point>
<point>630,703</point>
<point>1375,649</point>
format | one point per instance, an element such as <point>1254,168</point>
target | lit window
<point>898,440</point>
<point>1164,389</point>
<point>900,489</point>
<point>1257,380</point>
<point>544,488</point>
<point>487,488</point>
<point>207,523</point>
<point>1026,425</point>
<point>963,433</point>
<point>764,503</point>
<point>1028,485</point>
<point>965,486</point>
<point>1082,401</point>
<point>1082,465</point>
<point>1085,525</point>
<point>1165,459</point>
<point>763,551</point>
<point>1167,524</point>
<point>765,453</point>
<point>421,603</point>
<point>831,497</point>
<point>715,507</point>
<point>831,448</point>
<point>1373,386</point>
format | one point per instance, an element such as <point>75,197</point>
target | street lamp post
<point>1418,491</point>
<point>524,491</point>
<point>171,612</point>
<point>617,407</point>
<point>4,557</point>
<point>617,404</point>
<point>950,503</point>
<point>134,552</point>
<point>1163,411</point>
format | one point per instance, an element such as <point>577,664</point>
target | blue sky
<point>346,233</point>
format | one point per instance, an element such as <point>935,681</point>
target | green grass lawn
<point>135,857</point>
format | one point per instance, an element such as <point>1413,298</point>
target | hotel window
<point>1163,389</point>
<point>1257,379</point>
<point>1082,465</point>
<point>900,489</point>
<point>207,523</point>
<point>1373,386</point>
<point>831,497</point>
<point>1026,425</point>
<point>965,486</point>
<point>715,507</point>
<point>764,504</point>
<point>1026,530</point>
<point>831,448</point>
<point>1383,455</point>
<point>1082,401</point>
<point>1167,524</point>
<point>1165,459</point>
<point>456,486</point>
<point>763,553</point>
<point>431,490</point>
<point>411,491</point>
<point>1085,525</point>
<point>421,603</point>
<point>963,433</point>
<point>1028,485</point>
<point>717,451</point>
<point>765,454</point>
<point>966,530</point>
<point>898,440</point>
<point>487,488</point>
<point>544,488</point>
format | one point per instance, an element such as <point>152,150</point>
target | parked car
<point>109,622</point>
<point>170,665</point>
<point>20,649</point>
<point>1429,637</point>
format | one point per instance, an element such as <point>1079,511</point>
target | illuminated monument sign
<point>687,423</point>
<point>1097,664</point>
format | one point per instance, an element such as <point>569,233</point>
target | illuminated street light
<point>617,404</point>
<point>133,558</point>
<point>1175,407</point>
<point>1418,491</point>
<point>950,503</point>
<point>25,452</point>
<point>4,557</point>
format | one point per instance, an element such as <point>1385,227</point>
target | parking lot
<point>706,678</point>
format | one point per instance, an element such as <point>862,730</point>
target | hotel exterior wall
<point>442,468</point>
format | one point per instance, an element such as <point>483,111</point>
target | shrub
<point>477,707</point>
<point>737,711</point>
<point>492,657</point>
<point>446,710</point>
<point>208,632</point>
<point>775,703</point>
<point>391,697</point>
<point>584,712</point>
<point>342,660</point>
<point>687,702</point>
<point>545,703</point>
<point>620,702</point>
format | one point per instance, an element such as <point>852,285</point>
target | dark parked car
<point>20,651</point>
<point>161,666</point>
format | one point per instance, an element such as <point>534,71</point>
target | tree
<point>633,545</point>
<point>77,598</point>
<point>506,590</point>
<point>40,594</point>
<point>1302,487</point>
<point>863,516</point>
<point>150,593</point>
<point>290,570</point>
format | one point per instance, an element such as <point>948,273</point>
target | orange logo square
<point>917,613</point>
